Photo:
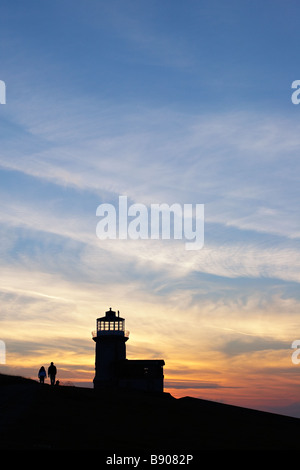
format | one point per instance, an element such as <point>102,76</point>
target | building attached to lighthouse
<point>112,369</point>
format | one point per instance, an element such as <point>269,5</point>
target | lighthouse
<point>110,339</point>
<point>112,369</point>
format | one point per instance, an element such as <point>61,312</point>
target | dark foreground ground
<point>41,417</point>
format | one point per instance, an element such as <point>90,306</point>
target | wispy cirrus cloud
<point>233,163</point>
<point>230,257</point>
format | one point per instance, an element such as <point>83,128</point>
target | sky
<point>163,102</point>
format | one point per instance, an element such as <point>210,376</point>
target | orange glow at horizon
<point>249,380</point>
<point>213,360</point>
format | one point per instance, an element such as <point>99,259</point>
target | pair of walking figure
<point>51,373</point>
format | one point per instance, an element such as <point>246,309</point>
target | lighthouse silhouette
<point>112,369</point>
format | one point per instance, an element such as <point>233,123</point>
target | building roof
<point>110,315</point>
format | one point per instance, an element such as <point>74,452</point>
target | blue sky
<point>165,102</point>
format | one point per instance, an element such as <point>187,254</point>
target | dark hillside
<point>34,416</point>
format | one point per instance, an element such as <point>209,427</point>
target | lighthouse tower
<point>112,367</point>
<point>110,339</point>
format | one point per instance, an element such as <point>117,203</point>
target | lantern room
<point>111,324</point>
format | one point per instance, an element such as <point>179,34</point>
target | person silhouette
<point>52,373</point>
<point>42,374</point>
